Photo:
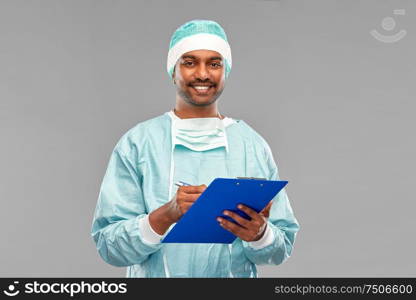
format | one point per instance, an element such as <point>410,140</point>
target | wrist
<point>161,219</point>
<point>261,234</point>
<point>266,239</point>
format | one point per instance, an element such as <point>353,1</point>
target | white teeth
<point>201,87</point>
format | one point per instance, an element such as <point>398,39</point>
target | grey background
<point>336,106</point>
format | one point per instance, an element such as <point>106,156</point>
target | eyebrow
<point>194,57</point>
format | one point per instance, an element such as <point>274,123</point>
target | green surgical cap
<point>198,35</point>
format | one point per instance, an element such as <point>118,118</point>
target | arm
<point>118,215</point>
<point>282,223</point>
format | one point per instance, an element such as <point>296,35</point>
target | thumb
<point>266,211</point>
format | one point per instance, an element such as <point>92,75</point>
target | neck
<point>185,111</point>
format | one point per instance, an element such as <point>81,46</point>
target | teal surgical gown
<point>137,182</point>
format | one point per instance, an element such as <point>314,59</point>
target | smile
<point>201,89</point>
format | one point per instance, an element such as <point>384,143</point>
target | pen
<point>181,183</point>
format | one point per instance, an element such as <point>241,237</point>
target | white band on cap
<point>199,41</point>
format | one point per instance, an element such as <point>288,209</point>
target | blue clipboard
<point>199,223</point>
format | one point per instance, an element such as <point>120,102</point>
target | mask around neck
<point>199,134</point>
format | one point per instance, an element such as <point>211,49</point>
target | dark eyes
<point>216,64</point>
<point>191,63</point>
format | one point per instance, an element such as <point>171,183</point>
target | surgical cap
<point>199,35</point>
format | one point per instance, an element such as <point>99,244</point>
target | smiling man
<point>204,89</point>
<point>139,202</point>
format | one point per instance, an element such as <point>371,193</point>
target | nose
<point>201,72</point>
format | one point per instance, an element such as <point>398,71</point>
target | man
<point>139,201</point>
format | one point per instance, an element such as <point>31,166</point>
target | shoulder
<point>257,139</point>
<point>137,136</point>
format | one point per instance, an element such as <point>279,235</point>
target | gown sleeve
<point>282,223</point>
<point>120,207</point>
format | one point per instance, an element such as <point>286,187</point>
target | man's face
<point>200,76</point>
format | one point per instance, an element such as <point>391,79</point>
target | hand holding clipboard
<point>199,224</point>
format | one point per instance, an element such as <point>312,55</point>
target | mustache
<point>206,82</point>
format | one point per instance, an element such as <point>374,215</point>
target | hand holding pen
<point>185,196</point>
<point>163,217</point>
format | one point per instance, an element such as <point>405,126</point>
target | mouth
<point>202,89</point>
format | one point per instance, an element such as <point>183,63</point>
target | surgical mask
<point>199,134</point>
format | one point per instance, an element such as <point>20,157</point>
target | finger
<point>268,206</point>
<point>188,197</point>
<point>188,189</point>
<point>240,220</point>
<point>233,228</point>
<point>265,214</point>
<point>250,212</point>
<point>203,187</point>
<point>266,211</point>
<point>193,189</point>
<point>252,227</point>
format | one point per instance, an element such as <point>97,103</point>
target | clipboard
<point>199,223</point>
